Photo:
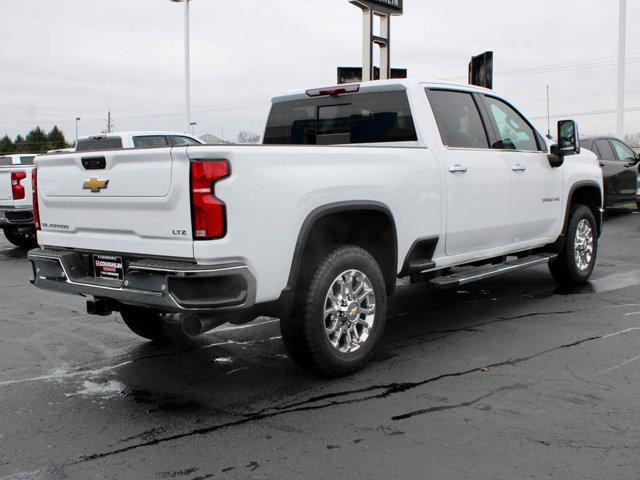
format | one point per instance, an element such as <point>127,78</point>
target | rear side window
<point>605,150</point>
<point>28,160</point>
<point>99,143</point>
<point>458,119</point>
<point>350,119</point>
<point>180,141</point>
<point>150,141</point>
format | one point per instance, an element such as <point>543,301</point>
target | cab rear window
<point>6,161</point>
<point>380,117</point>
<point>99,143</point>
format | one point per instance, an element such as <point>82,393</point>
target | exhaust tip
<point>192,326</point>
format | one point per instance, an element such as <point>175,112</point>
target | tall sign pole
<point>383,10</point>
<point>622,57</point>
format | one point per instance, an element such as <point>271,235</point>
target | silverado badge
<point>95,185</point>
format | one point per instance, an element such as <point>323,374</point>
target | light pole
<point>622,57</point>
<point>193,128</point>
<point>77,120</point>
<point>187,80</point>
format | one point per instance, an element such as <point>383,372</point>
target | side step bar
<point>482,273</point>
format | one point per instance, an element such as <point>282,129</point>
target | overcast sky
<point>66,58</point>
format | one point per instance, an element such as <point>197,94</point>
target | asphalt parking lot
<point>506,379</point>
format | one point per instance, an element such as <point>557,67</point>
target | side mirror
<point>568,142</point>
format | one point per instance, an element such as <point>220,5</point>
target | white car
<point>16,211</point>
<point>118,140</point>
<point>356,186</point>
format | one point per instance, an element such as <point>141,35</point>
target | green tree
<point>6,145</point>
<point>37,141</point>
<point>19,145</point>
<point>56,139</point>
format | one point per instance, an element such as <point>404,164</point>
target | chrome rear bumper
<point>165,285</point>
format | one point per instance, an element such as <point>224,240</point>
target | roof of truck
<point>138,133</point>
<point>378,86</point>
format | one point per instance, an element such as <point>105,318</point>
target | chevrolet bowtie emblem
<point>95,185</point>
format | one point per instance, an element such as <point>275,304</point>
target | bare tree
<point>246,136</point>
<point>632,139</point>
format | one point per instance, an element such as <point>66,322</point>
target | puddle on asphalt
<point>104,390</point>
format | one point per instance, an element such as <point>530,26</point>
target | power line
<point>582,114</point>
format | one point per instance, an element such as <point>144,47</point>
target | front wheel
<point>340,315</point>
<point>577,259</point>
<point>21,237</point>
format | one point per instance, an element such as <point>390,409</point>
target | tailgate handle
<point>94,163</point>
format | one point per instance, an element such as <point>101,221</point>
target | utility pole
<point>77,120</point>
<point>622,56</point>
<point>109,121</point>
<point>187,66</point>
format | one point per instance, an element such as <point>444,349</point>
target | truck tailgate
<point>127,201</point>
<point>5,184</point>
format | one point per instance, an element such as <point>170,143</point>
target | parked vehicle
<point>618,162</point>
<point>122,140</point>
<point>357,185</point>
<point>16,211</point>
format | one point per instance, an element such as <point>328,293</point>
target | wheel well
<point>370,228</point>
<point>590,196</point>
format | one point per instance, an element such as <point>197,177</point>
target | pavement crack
<point>469,403</point>
<point>334,399</point>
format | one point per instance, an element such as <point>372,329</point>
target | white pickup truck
<point>16,210</point>
<point>355,186</point>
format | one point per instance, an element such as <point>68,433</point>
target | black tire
<point>22,237</point>
<point>151,325</point>
<point>565,269</point>
<point>304,332</point>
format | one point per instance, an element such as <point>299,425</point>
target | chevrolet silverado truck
<point>16,210</point>
<point>355,186</point>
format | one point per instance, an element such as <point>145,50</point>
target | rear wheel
<point>23,237</point>
<point>151,325</point>
<point>340,314</point>
<point>577,259</point>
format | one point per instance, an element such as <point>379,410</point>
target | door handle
<point>519,168</point>
<point>458,169</point>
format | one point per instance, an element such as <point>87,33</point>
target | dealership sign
<point>392,4</point>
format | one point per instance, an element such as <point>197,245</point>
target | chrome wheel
<point>583,245</point>
<point>349,311</point>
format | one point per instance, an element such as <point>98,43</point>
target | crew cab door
<point>629,176</point>
<point>614,172</point>
<point>536,187</point>
<point>478,189</point>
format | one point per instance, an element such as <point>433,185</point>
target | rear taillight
<point>209,213</point>
<point>16,188</point>
<point>34,189</point>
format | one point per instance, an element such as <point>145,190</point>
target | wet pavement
<point>508,378</point>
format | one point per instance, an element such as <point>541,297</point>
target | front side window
<point>27,160</point>
<point>458,119</point>
<point>605,150</point>
<point>180,141</point>
<point>150,141</point>
<point>514,133</point>
<point>623,152</point>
